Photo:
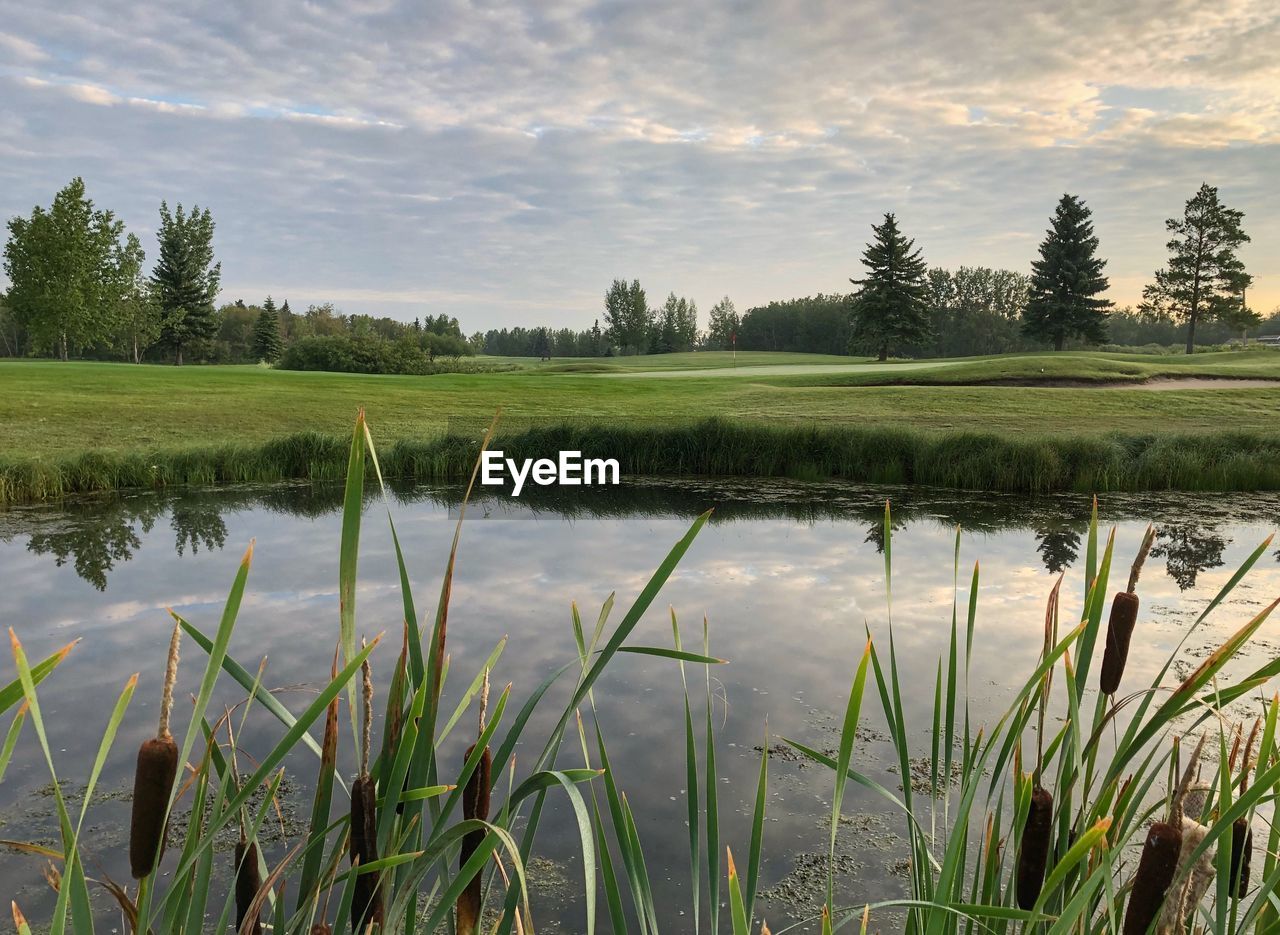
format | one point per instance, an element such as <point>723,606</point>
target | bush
<point>371,354</point>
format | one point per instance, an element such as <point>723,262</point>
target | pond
<point>789,575</point>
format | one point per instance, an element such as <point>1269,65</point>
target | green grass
<point>77,426</point>
<point>1110,763</point>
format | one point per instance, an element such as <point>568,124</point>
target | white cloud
<point>504,163</point>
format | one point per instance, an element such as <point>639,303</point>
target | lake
<point>789,576</point>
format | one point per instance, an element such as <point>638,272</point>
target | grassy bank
<point>969,460</point>
<point>68,428</point>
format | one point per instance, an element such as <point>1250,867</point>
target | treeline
<point>78,288</point>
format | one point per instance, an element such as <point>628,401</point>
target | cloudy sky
<point>503,162</point>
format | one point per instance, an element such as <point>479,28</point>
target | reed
<point>153,779</point>
<point>475,807</point>
<point>1124,617</point>
<point>248,882</point>
<point>367,905</point>
<point>868,454</point>
<point>1033,853</point>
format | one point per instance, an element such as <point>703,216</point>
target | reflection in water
<point>98,534</point>
<point>790,575</point>
<point>1058,547</point>
<point>1188,550</point>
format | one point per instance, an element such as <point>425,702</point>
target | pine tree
<point>266,333</point>
<point>1204,273</point>
<point>185,278</point>
<point>1065,281</point>
<point>891,309</point>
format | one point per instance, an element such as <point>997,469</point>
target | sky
<point>504,162</point>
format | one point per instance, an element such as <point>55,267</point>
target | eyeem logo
<point>569,470</point>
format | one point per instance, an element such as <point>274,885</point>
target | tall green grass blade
<point>848,733</point>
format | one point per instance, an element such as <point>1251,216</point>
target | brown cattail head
<point>152,781</point>
<point>366,906</point>
<point>248,882</point>
<point>1155,873</point>
<point>1124,615</point>
<point>1241,855</point>
<point>1034,852</point>
<point>322,928</point>
<point>475,804</point>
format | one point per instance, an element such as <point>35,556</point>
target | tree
<point>626,315</point>
<point>1233,310</point>
<point>671,329</point>
<point>266,333</point>
<point>1203,267</point>
<point>975,310</point>
<point>891,309</point>
<point>137,318</point>
<point>186,279</point>
<point>1066,279</point>
<point>722,325</point>
<point>69,272</point>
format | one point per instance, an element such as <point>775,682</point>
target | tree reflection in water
<point>96,535</point>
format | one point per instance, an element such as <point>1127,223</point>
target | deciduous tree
<point>67,269</point>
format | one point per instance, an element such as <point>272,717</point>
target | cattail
<point>1161,854</point>
<point>475,804</point>
<point>322,928</point>
<point>1241,855</point>
<point>248,882</point>
<point>153,780</point>
<point>366,906</point>
<point>1124,615</point>
<point>1241,832</point>
<point>1155,874</point>
<point>1034,852</point>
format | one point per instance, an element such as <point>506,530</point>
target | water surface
<point>790,577</point>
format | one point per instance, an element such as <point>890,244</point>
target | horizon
<point>504,166</point>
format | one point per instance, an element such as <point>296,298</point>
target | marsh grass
<point>420,839</point>
<point>1221,461</point>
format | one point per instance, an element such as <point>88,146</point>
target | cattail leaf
<point>472,690</point>
<point>737,909</point>
<point>683,656</point>
<point>12,693</point>
<point>11,739</point>
<point>74,888</point>
<point>246,681</point>
<point>848,732</point>
<point>423,792</point>
<point>757,832</point>
<point>416,670</point>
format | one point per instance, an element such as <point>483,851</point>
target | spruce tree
<point>1204,274</point>
<point>891,310</point>
<point>185,278</point>
<point>266,333</point>
<point>1065,281</point>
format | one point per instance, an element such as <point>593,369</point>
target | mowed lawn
<point>49,408</point>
